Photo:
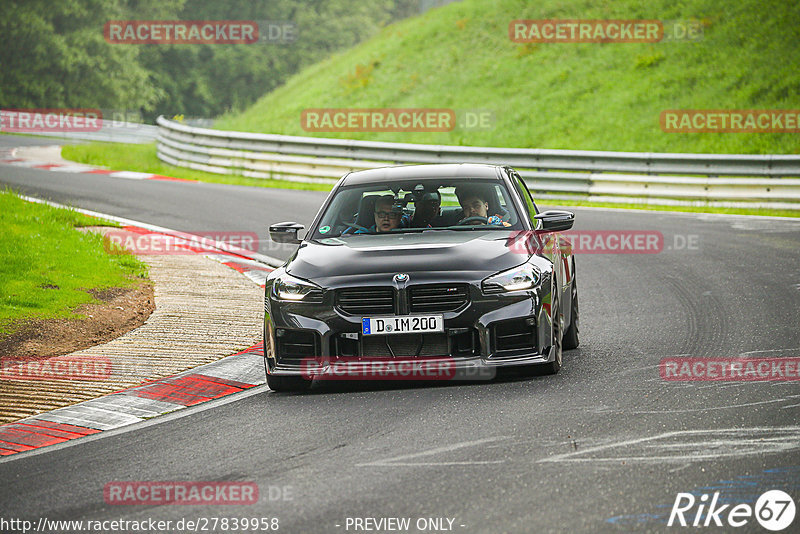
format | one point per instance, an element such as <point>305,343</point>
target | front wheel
<point>287,384</point>
<point>551,368</point>
<point>571,340</point>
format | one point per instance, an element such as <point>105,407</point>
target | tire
<point>554,367</point>
<point>287,384</point>
<point>571,340</point>
<point>550,368</point>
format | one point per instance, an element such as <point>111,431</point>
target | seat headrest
<point>366,211</point>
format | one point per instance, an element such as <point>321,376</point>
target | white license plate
<point>408,324</point>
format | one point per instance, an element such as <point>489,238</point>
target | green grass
<point>554,95</point>
<point>559,95</point>
<point>142,158</point>
<point>46,265</point>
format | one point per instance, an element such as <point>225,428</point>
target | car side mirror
<point>555,220</point>
<point>285,232</point>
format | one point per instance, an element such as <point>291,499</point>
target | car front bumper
<point>476,339</point>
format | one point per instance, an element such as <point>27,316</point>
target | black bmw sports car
<point>422,272</point>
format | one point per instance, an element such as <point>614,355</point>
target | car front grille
<point>366,300</point>
<point>405,345</point>
<point>433,298</point>
<point>463,343</point>
<point>438,298</point>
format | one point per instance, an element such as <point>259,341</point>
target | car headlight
<point>287,287</point>
<point>525,276</point>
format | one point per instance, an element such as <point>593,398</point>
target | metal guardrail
<point>657,178</point>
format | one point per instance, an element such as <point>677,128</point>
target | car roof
<point>423,172</point>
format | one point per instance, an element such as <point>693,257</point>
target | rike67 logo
<point>774,510</point>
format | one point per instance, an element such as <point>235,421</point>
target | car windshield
<point>455,204</point>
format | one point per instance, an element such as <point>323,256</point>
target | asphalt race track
<point>605,445</point>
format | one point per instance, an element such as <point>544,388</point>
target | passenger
<point>387,215</point>
<point>474,202</point>
<point>425,211</point>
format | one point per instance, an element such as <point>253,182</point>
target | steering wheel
<point>474,219</point>
<point>359,227</point>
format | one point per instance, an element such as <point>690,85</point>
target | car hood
<point>425,257</point>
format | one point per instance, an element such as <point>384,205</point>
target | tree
<point>53,54</point>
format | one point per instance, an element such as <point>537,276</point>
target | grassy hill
<point>559,95</point>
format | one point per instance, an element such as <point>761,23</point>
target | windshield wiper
<point>406,231</point>
<point>471,227</point>
<point>476,227</point>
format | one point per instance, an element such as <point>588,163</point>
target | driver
<point>474,201</point>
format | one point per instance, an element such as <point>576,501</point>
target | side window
<point>501,196</point>
<point>526,196</point>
